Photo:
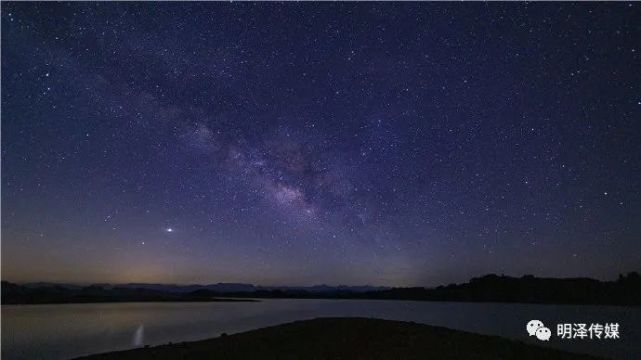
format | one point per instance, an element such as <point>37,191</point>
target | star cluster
<point>300,143</point>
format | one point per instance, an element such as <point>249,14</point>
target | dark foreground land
<point>348,338</point>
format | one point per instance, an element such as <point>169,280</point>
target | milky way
<point>304,143</point>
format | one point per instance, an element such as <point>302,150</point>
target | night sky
<point>305,143</point>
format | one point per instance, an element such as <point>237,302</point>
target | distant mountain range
<point>626,290</point>
<point>220,287</point>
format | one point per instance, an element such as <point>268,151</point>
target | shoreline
<point>109,301</point>
<point>260,299</point>
<point>347,338</point>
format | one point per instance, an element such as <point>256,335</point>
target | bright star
<point>169,230</point>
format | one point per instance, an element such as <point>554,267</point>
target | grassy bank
<point>348,338</point>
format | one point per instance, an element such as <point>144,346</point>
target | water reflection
<point>139,336</point>
<point>65,331</point>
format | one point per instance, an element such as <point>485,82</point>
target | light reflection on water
<point>139,336</point>
<point>64,331</point>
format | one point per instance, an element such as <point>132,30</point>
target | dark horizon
<point>624,291</point>
<point>624,273</point>
<point>404,144</point>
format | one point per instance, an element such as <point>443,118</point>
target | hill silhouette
<point>626,290</point>
<point>57,294</point>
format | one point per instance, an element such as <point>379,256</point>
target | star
<point>410,147</point>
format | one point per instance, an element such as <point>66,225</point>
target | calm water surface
<point>65,331</point>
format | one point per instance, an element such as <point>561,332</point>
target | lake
<point>69,330</point>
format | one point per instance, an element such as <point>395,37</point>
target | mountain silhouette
<point>626,290</point>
